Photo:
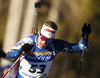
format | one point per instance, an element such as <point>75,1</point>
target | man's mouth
<point>42,45</point>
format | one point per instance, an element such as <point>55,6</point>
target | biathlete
<point>40,50</point>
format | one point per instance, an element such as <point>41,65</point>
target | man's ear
<point>33,30</point>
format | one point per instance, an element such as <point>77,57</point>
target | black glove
<point>26,47</point>
<point>86,29</point>
<point>2,53</point>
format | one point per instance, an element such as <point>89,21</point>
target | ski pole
<point>82,55</point>
<point>37,5</point>
<point>13,64</point>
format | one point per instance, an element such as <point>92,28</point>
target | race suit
<point>36,63</point>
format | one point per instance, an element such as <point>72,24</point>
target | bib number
<point>33,68</point>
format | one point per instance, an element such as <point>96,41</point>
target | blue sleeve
<point>12,53</point>
<point>33,37</point>
<point>65,46</point>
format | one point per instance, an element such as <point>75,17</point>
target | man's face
<point>43,41</point>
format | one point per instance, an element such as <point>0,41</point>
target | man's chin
<point>42,46</point>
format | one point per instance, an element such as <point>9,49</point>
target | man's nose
<point>44,42</point>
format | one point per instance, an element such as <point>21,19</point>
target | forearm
<point>12,53</point>
<point>77,48</point>
<point>81,44</point>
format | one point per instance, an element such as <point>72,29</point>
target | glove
<point>26,47</point>
<point>2,53</point>
<point>86,29</point>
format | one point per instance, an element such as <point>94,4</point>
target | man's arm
<point>76,48</point>
<point>65,46</point>
<point>13,53</point>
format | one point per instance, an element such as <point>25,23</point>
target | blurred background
<point>17,17</point>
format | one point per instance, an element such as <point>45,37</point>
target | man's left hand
<point>86,29</point>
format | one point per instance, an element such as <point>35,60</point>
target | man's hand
<point>2,53</point>
<point>26,47</point>
<point>86,30</point>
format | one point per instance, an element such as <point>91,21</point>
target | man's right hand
<point>26,47</point>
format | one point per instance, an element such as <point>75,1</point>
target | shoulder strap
<point>54,53</point>
<point>53,47</point>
